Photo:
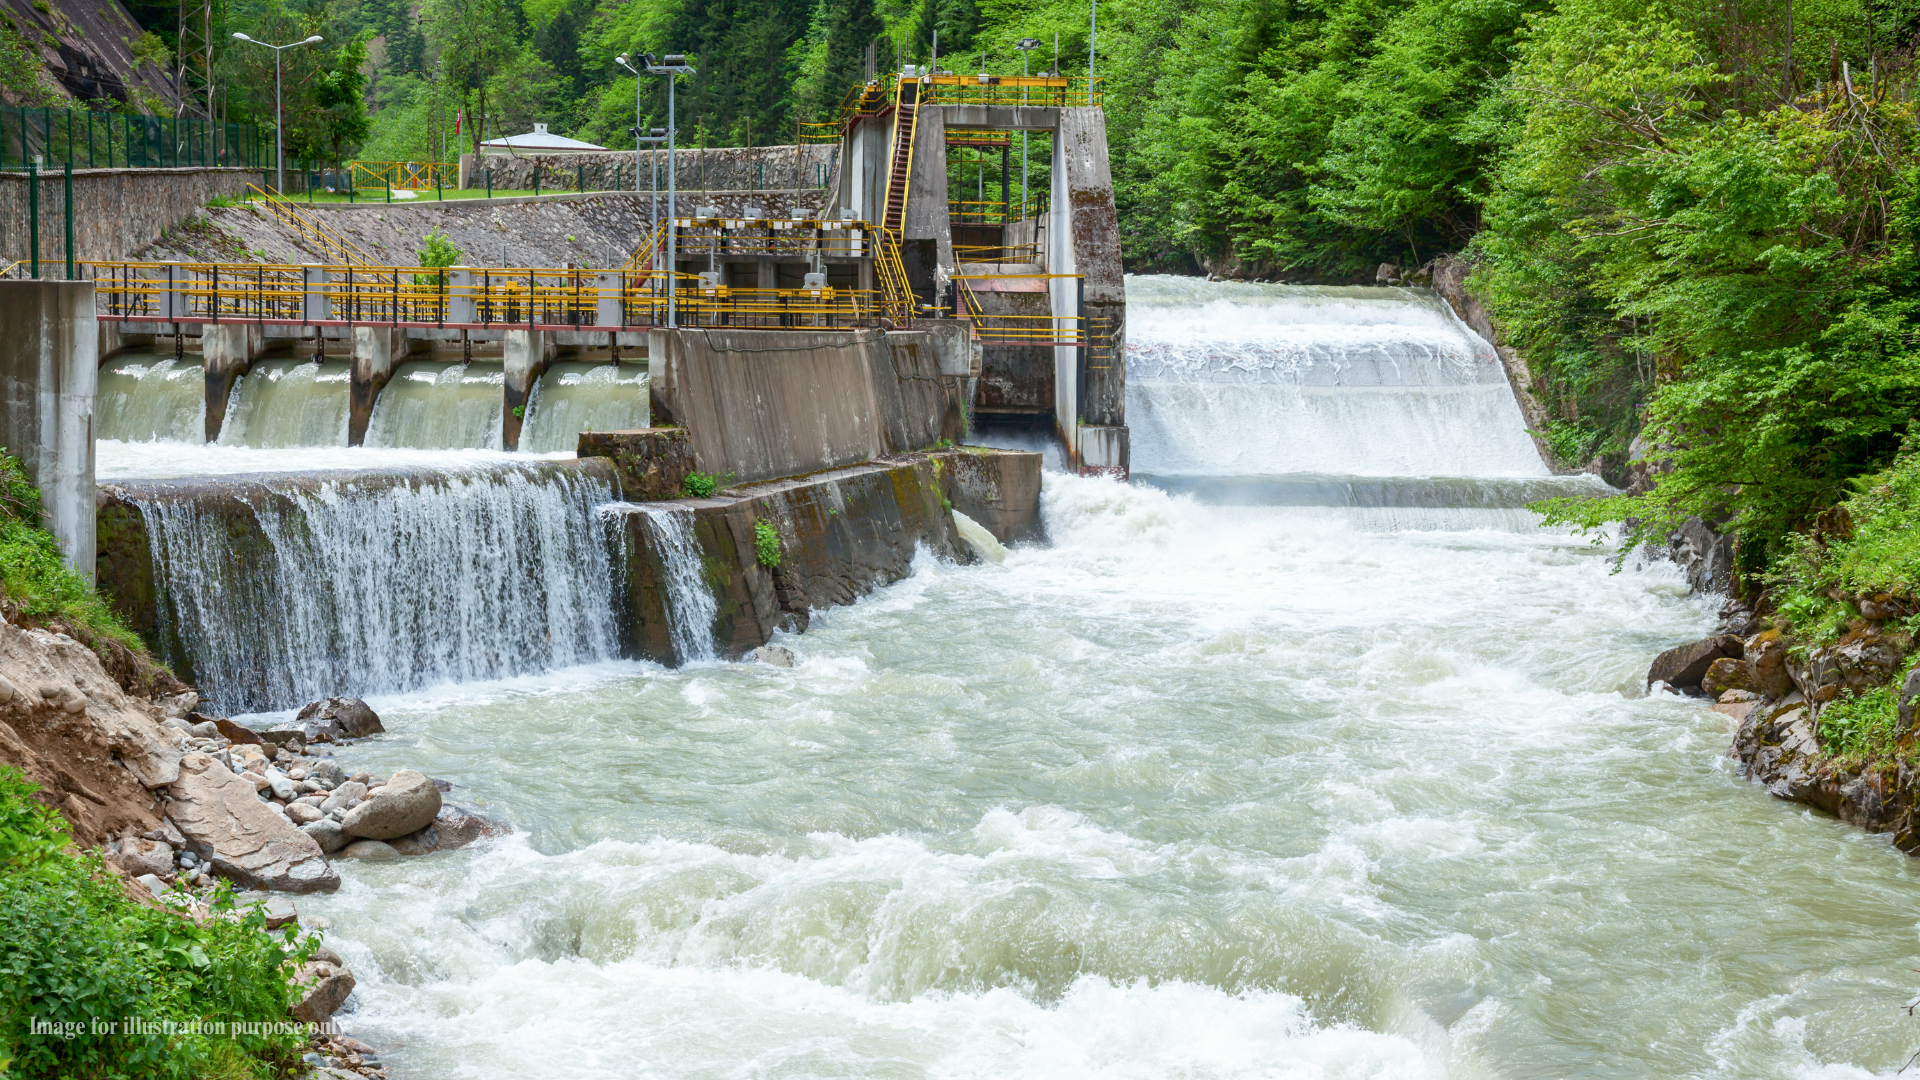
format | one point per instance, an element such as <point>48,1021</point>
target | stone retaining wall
<point>733,168</point>
<point>116,212</point>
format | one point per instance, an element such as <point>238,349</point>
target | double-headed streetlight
<point>279,141</point>
<point>672,65</point>
<point>651,135</point>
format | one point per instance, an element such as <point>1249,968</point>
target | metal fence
<point>95,140</point>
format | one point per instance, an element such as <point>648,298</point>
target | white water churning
<point>276,590</point>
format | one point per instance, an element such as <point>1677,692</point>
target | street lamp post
<point>672,65</point>
<point>1025,45</point>
<point>279,125</point>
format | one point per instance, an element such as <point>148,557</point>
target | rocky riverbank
<point>1781,694</point>
<point>178,802</point>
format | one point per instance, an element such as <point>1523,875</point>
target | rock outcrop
<point>226,824</point>
<point>334,719</point>
<point>95,750</point>
<point>1684,666</point>
<point>406,803</point>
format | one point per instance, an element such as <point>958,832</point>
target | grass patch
<point>34,574</point>
<point>699,485</point>
<point>73,947</point>
<point>1860,726</point>
<point>1867,545</point>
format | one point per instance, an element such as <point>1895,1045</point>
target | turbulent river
<point>1325,763</point>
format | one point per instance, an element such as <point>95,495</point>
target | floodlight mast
<point>279,142</point>
<point>672,65</point>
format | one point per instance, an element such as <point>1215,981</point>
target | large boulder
<point>1768,655</point>
<point>324,986</point>
<point>240,837</point>
<point>1683,666</point>
<point>406,803</point>
<point>1727,674</point>
<point>335,718</point>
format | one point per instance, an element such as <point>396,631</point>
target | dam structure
<point>341,474</point>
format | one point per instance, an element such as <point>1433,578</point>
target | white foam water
<point>145,397</point>
<point>1194,790</point>
<point>345,583</point>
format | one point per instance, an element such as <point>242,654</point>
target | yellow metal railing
<point>460,297</point>
<point>406,175</point>
<point>1011,329</point>
<point>1041,90</point>
<point>891,273</point>
<point>330,243</point>
<point>996,253</point>
<point>811,132</point>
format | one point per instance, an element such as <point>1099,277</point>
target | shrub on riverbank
<point>74,949</point>
<point>37,581</point>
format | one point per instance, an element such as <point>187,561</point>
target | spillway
<point>149,396</point>
<point>572,397</point>
<point>287,403</point>
<point>434,406</point>
<point>275,590</point>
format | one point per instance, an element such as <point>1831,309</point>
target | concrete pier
<point>229,350</point>
<point>49,368</point>
<point>527,354</point>
<point>377,350</point>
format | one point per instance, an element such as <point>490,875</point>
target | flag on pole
<point>459,115</point>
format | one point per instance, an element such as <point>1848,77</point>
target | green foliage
<point>1870,545</point>
<point>766,543</point>
<point>698,485</point>
<point>73,947</point>
<point>437,250</point>
<point>1570,441</point>
<point>19,68</point>
<point>34,575</point>
<point>148,48</point>
<point>1665,230</point>
<point>1860,726</point>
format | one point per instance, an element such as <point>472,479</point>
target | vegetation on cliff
<point>76,952</point>
<point>39,587</point>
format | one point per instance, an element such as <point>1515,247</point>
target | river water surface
<point>1207,785</point>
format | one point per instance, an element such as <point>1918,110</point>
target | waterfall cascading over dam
<point>1369,405</point>
<point>1236,379</point>
<point>690,605</point>
<point>439,406</point>
<point>276,590</point>
<point>573,397</point>
<point>286,403</point>
<point>148,397</point>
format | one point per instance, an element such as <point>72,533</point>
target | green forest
<point>1696,222</point>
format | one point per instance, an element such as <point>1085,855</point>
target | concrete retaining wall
<point>116,212</point>
<point>759,404</point>
<point>843,533</point>
<point>49,371</point>
<point>731,168</point>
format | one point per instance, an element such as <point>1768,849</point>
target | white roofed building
<point>542,141</point>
